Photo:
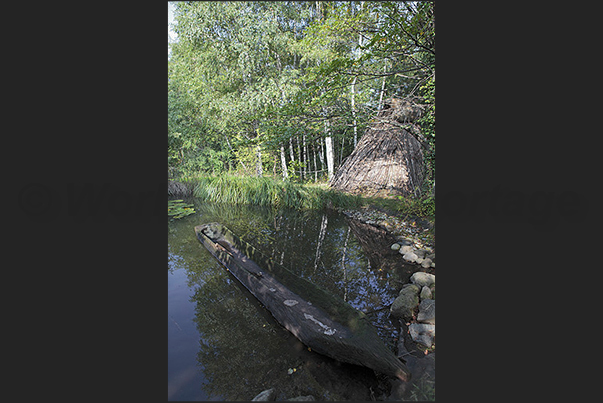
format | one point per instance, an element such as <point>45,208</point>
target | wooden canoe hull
<point>327,324</point>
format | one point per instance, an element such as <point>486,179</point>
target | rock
<point>427,311</point>
<point>422,333</point>
<point>301,398</point>
<point>415,288</point>
<point>405,249</point>
<point>405,242</point>
<point>405,304</point>
<point>419,260</point>
<point>431,256</point>
<point>421,253</point>
<point>410,257</point>
<point>425,293</point>
<point>426,263</point>
<point>265,396</point>
<point>395,246</point>
<point>433,265</point>
<point>420,278</point>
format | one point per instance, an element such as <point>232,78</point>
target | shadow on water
<point>240,349</point>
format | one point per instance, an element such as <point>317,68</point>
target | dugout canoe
<point>319,319</point>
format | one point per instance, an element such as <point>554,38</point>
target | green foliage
<point>267,73</point>
<point>266,191</point>
<point>424,207</point>
<point>427,123</point>
<point>178,209</point>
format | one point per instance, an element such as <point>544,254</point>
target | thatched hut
<point>388,159</point>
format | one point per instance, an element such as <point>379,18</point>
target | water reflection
<point>241,349</point>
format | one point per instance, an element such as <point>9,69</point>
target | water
<point>223,345</point>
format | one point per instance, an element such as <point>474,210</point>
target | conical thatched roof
<point>387,160</point>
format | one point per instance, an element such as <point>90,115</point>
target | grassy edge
<point>267,191</point>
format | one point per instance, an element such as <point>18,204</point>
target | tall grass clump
<point>265,191</point>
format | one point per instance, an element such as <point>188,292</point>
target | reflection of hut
<point>387,160</point>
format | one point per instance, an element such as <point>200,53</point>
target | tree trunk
<point>284,163</point>
<point>315,166</point>
<point>329,146</point>
<point>354,111</point>
<point>258,167</point>
<point>321,155</point>
<point>382,88</point>
<point>306,165</point>
<point>299,157</point>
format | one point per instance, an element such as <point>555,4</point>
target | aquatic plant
<point>178,209</point>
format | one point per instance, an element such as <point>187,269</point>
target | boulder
<point>265,396</point>
<point>420,278</point>
<point>422,333</point>
<point>404,241</point>
<point>420,253</point>
<point>406,303</point>
<point>406,249</point>
<point>425,293</point>
<point>426,263</point>
<point>395,246</point>
<point>427,311</point>
<point>410,257</point>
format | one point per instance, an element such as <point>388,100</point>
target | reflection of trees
<point>242,350</point>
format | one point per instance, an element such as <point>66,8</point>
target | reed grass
<point>266,191</point>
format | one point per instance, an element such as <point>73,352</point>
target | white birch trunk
<point>258,167</point>
<point>315,166</point>
<point>305,150</point>
<point>354,111</point>
<point>329,151</point>
<point>284,163</point>
<point>382,88</point>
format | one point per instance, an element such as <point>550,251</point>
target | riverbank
<point>414,308</point>
<point>274,192</point>
<point>263,191</point>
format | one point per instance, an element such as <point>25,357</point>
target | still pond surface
<point>223,345</point>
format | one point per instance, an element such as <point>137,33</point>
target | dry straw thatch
<point>388,160</point>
